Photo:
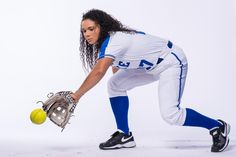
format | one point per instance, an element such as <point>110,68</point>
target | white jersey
<point>134,51</point>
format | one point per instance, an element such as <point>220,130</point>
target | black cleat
<point>220,137</point>
<point>118,140</point>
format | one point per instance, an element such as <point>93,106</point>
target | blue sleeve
<point>103,49</point>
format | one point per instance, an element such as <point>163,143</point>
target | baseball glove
<point>59,107</point>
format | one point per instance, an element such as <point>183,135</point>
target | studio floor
<point>170,148</point>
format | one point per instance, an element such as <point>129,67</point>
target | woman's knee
<point>114,89</point>
<point>174,115</point>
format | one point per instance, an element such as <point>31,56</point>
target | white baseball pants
<point>171,73</point>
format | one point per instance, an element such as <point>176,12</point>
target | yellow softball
<point>38,116</point>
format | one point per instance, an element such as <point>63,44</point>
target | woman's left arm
<point>93,78</point>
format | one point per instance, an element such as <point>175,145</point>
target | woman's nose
<point>86,34</point>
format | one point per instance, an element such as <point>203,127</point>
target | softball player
<point>137,59</point>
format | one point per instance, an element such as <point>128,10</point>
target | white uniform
<point>142,59</point>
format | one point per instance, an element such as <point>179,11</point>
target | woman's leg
<point>118,85</point>
<point>171,86</point>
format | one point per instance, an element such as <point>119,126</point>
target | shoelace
<point>113,136</point>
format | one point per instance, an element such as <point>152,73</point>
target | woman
<point>137,59</point>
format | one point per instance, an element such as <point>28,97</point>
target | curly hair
<point>108,24</point>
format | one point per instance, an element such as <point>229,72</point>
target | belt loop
<point>159,60</point>
<point>170,44</point>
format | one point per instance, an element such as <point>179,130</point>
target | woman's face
<point>90,30</point>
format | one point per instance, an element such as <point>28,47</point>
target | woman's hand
<point>76,99</point>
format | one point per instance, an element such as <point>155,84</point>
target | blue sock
<point>120,106</point>
<point>194,118</point>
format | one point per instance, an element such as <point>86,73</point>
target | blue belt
<point>170,44</point>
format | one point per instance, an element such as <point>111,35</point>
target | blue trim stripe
<point>140,32</point>
<point>103,48</point>
<point>180,77</point>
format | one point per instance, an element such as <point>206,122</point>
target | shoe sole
<point>119,146</point>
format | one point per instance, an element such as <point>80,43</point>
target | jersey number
<point>145,64</point>
<point>124,65</point>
